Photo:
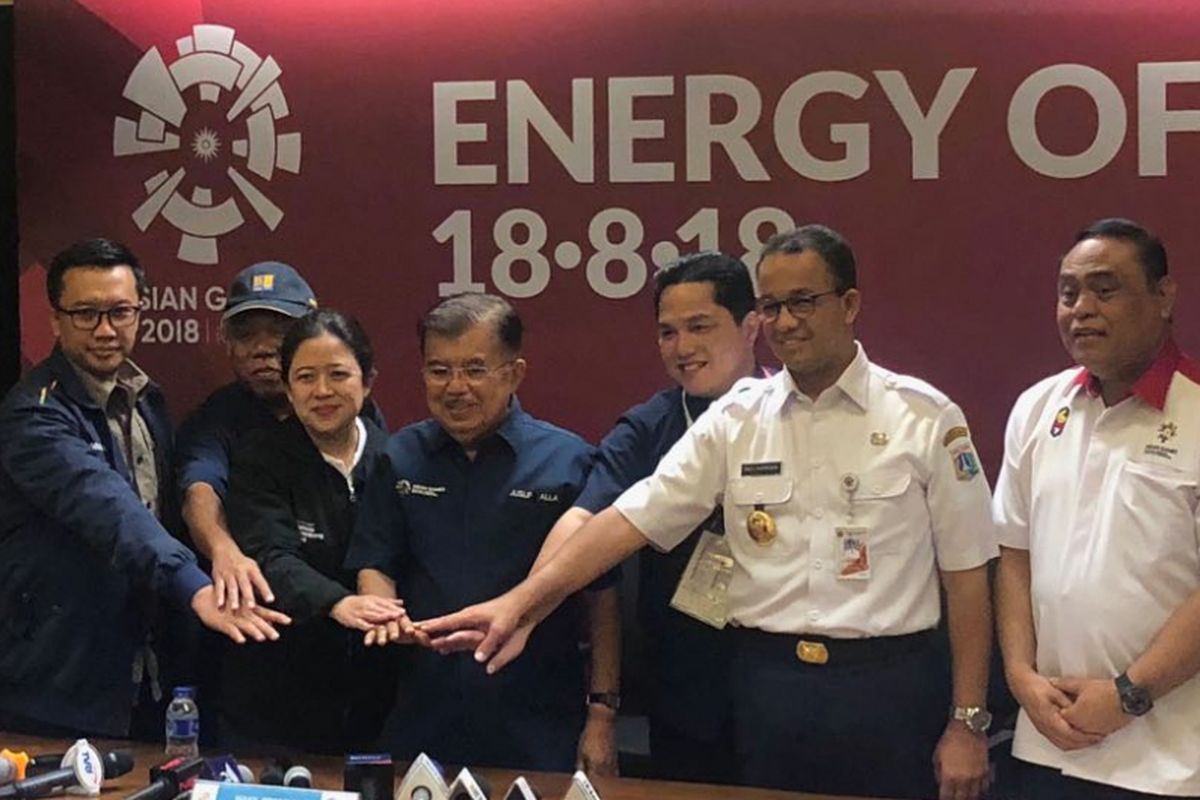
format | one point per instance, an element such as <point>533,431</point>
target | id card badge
<point>854,554</point>
<point>703,591</point>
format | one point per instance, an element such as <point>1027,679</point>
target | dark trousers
<point>678,756</point>
<point>1036,782</point>
<point>865,723</point>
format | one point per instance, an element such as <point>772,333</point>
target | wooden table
<point>327,774</point>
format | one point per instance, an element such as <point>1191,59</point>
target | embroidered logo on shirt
<point>405,487</point>
<point>966,465</point>
<point>1166,432</point>
<point>1060,422</point>
<point>308,531</point>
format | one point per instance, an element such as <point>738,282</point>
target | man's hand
<point>960,763</point>
<point>396,631</point>
<point>236,578</point>
<point>1044,703</point>
<point>1095,707</point>
<point>499,622</point>
<point>365,612</point>
<point>258,623</point>
<point>597,754</point>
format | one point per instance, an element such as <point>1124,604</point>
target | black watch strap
<point>1135,700</point>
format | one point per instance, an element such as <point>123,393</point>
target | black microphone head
<point>117,763</point>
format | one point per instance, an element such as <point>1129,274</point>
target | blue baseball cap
<point>270,285</point>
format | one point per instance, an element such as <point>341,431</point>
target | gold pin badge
<point>879,439</point>
<point>761,526</point>
<point>812,652</point>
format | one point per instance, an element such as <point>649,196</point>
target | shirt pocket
<point>769,493</point>
<point>880,505</point>
<point>1152,491</point>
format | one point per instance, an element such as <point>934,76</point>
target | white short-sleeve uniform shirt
<point>878,475</point>
<point>1105,501</point>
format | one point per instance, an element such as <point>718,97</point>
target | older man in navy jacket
<point>85,493</point>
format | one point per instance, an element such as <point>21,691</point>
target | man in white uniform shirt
<point>847,490</point>
<point>1098,588</point>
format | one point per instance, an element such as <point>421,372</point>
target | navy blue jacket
<point>81,557</point>
<point>211,434</point>
<point>688,661</point>
<point>452,531</point>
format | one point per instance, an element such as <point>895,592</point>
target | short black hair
<point>830,245</point>
<point>453,316</point>
<point>1150,251</point>
<point>99,253</point>
<point>731,284</point>
<point>335,323</point>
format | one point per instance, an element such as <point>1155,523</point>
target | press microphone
<point>423,781</point>
<point>272,774</point>
<point>19,765</point>
<point>170,779</point>
<point>227,770</point>
<point>521,790</point>
<point>468,786</point>
<point>581,788</point>
<point>298,777</point>
<point>86,771</point>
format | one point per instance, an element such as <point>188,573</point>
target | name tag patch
<point>762,468</point>
<point>533,494</point>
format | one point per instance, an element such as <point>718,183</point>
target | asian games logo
<point>198,186</point>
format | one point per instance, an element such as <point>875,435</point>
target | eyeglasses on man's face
<point>800,305</point>
<point>474,373</point>
<point>87,318</point>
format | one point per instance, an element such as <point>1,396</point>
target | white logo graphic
<point>210,59</point>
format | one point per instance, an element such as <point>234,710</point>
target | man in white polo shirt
<point>849,493</point>
<point>1098,589</point>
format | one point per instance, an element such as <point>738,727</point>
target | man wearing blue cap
<point>263,300</point>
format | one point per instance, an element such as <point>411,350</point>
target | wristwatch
<point>977,718</point>
<point>610,699</point>
<point>1135,700</point>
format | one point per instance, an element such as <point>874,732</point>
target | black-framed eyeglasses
<point>442,374</point>
<point>88,318</point>
<point>800,306</point>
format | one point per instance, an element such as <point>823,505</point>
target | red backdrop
<point>340,137</point>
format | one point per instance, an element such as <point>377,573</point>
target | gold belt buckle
<point>812,652</point>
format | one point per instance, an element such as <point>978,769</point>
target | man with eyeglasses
<point>1098,588</point>
<point>458,514</point>
<point>85,505</point>
<point>848,491</point>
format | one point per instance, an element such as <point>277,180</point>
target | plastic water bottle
<point>183,723</point>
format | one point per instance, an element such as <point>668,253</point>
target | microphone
<point>227,770</point>
<point>521,790</point>
<point>298,777</point>
<point>171,778</point>
<point>581,788</point>
<point>17,766</point>
<point>468,786</point>
<point>423,781</point>
<point>87,770</point>
<point>272,774</point>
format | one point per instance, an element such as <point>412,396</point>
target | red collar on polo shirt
<point>1153,385</point>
